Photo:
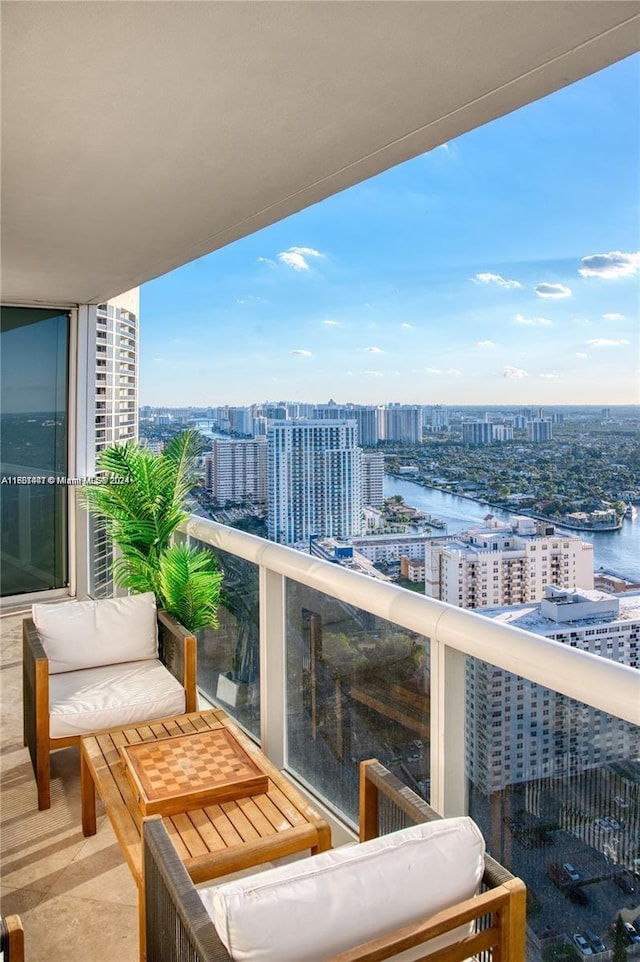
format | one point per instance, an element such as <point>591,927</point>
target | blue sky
<point>500,268</point>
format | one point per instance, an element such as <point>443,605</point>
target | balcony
<point>326,667</point>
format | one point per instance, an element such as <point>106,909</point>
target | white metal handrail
<point>596,681</point>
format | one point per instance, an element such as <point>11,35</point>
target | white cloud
<point>606,342</point>
<point>538,321</point>
<point>444,147</point>
<point>302,353</point>
<point>581,354</point>
<point>553,290</point>
<point>427,370</point>
<point>373,350</point>
<point>297,257</point>
<point>454,372</point>
<point>410,327</point>
<point>373,374</point>
<point>331,323</point>
<point>250,298</point>
<point>611,265</point>
<point>267,261</point>
<point>514,372</point>
<point>551,375</point>
<point>486,345</point>
<point>487,278</point>
<point>613,317</point>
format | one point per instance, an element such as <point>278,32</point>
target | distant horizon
<point>503,259</point>
<point>471,405</point>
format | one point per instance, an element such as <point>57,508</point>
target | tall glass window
<point>33,449</point>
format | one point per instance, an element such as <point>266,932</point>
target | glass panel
<point>357,687</point>
<point>33,446</point>
<point>229,656</point>
<point>555,786</point>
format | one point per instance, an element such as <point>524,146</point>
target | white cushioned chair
<point>93,665</point>
<point>424,891</point>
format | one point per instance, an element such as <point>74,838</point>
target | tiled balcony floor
<point>76,896</point>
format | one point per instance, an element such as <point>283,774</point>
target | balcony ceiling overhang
<point>138,136</point>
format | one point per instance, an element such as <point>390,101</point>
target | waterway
<point>616,552</point>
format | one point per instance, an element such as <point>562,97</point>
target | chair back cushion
<point>320,906</point>
<point>86,634</point>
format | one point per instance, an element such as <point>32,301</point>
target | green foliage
<point>140,510</point>
<point>620,942</point>
<point>190,586</point>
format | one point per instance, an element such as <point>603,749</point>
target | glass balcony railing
<point>357,687</point>
<point>536,740</point>
<point>229,656</point>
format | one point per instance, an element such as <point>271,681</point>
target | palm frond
<point>141,515</point>
<point>190,582</point>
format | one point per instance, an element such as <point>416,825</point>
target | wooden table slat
<point>290,811</point>
<point>223,826</point>
<point>174,834</point>
<point>207,831</point>
<point>240,821</point>
<point>257,818</point>
<point>189,835</point>
<point>272,813</point>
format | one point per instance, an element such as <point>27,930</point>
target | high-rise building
<point>368,425</point>
<point>540,429</point>
<point>314,480</point>
<point>402,422</point>
<point>518,731</point>
<point>439,418</point>
<point>504,564</point>
<point>237,470</point>
<point>477,432</point>
<point>373,479</point>
<point>116,406</point>
<point>502,432</point>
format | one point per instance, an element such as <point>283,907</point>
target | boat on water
<point>631,511</point>
<point>432,522</point>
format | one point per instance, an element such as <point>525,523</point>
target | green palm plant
<point>140,509</point>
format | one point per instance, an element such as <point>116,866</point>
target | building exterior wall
<point>314,480</point>
<point>116,407</point>
<point>540,429</point>
<point>502,567</point>
<point>518,731</point>
<point>237,471</point>
<point>373,480</point>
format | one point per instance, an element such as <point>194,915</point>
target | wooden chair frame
<point>12,939</point>
<point>177,651</point>
<point>178,928</point>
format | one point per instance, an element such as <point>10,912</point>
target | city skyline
<point>498,269</point>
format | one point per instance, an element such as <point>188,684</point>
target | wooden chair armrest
<point>378,788</point>
<point>32,643</point>
<point>408,937</point>
<point>178,654</point>
<point>35,707</point>
<point>177,924</point>
<point>12,938</point>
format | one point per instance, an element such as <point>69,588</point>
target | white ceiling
<point>138,135</point>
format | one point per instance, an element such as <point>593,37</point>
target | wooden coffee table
<point>214,840</point>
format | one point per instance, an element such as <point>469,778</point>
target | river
<point>616,552</point>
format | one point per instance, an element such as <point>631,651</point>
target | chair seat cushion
<point>85,634</point>
<point>315,908</point>
<point>112,696</point>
